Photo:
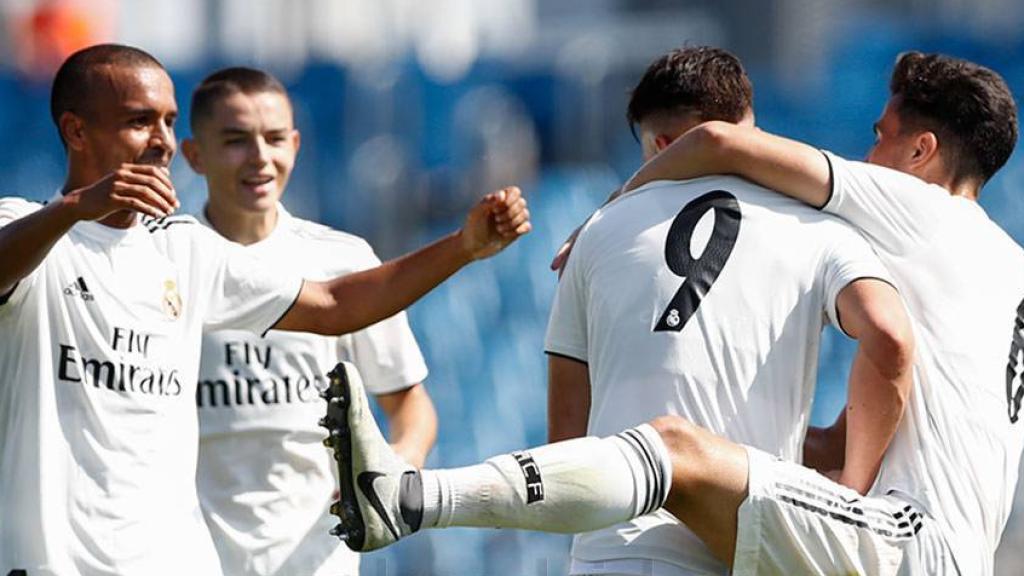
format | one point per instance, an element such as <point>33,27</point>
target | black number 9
<point>699,273</point>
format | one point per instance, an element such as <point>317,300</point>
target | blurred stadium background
<point>410,109</point>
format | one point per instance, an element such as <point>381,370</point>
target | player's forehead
<point>889,120</point>
<point>251,111</point>
<point>127,89</point>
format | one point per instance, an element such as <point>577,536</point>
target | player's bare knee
<point>681,437</point>
<point>687,444</point>
<point>672,429</point>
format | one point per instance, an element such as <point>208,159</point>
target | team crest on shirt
<point>172,300</point>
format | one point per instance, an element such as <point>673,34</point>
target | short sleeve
<point>895,211</point>
<point>248,293</point>
<point>12,209</point>
<point>567,324</point>
<point>849,258</point>
<point>386,353</point>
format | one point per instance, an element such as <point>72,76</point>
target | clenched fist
<point>499,219</point>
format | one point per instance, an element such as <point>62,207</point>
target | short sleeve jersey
<point>704,299</point>
<point>957,450</point>
<point>265,479</point>
<point>98,429</point>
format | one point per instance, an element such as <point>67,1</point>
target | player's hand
<point>825,448</point>
<point>141,188</point>
<point>499,219</point>
<point>562,256</point>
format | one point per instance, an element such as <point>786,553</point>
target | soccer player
<point>265,479</point>
<point>102,319</point>
<point>948,127</point>
<point>700,339</point>
<point>946,483</point>
<point>659,311</point>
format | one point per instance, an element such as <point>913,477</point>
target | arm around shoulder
<point>349,303</point>
<point>786,166</point>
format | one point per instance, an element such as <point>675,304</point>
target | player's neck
<point>239,225</point>
<point>967,190</point>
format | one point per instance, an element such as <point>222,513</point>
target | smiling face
<point>132,122</point>
<point>246,148</point>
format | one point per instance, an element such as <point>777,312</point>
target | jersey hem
<point>835,306</point>
<point>286,310</point>
<point>566,356</point>
<point>398,385</point>
<point>831,182</point>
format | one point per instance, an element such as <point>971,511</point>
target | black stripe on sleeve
<point>831,181</point>
<point>286,310</point>
<point>839,320</point>
<point>566,356</point>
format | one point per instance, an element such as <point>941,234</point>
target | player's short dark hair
<point>228,81</point>
<point>702,80</point>
<point>75,86</point>
<point>968,106</point>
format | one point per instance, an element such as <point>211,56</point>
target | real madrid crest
<point>172,300</point>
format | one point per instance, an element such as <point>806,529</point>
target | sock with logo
<point>574,486</point>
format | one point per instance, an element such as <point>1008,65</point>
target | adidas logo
<point>79,288</point>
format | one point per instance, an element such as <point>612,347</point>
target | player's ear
<point>72,128</point>
<point>926,147</point>
<point>662,141</point>
<point>296,140</point>
<point>190,150</point>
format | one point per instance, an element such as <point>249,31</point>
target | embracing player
<point>700,339</point>
<point>946,484</point>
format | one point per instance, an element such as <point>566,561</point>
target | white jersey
<point>265,479</point>
<point>957,450</point>
<point>98,429</point>
<point>716,318</point>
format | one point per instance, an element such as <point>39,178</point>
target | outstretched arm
<point>872,312</point>
<point>25,242</point>
<point>790,167</point>
<point>349,303</point>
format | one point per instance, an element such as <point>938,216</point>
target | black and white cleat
<point>381,495</point>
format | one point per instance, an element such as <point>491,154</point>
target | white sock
<point>574,486</point>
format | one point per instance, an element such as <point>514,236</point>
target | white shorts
<point>796,521</point>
